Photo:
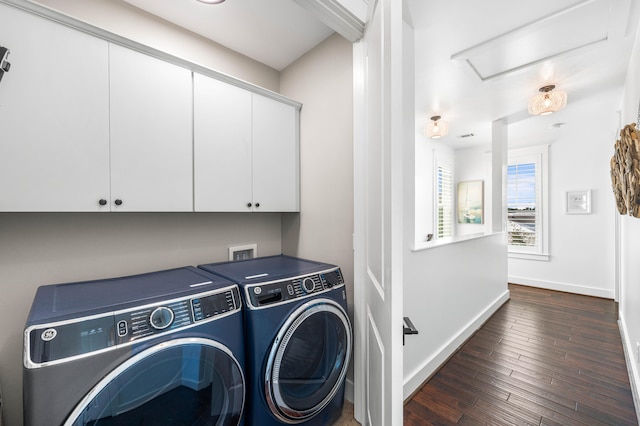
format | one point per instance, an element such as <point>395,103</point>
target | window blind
<point>521,204</point>
<point>445,201</point>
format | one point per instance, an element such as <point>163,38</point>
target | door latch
<point>408,328</point>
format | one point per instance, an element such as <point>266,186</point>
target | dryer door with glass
<point>308,361</point>
<point>191,381</point>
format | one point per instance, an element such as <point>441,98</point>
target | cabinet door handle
<point>257,204</point>
<point>102,202</point>
<point>118,202</point>
<point>249,204</point>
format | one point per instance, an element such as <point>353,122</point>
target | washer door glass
<point>308,361</point>
<point>178,382</point>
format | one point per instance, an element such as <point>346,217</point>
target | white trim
<point>359,305</point>
<point>545,257</point>
<point>336,16</point>
<point>632,365</point>
<point>349,390</point>
<point>565,287</point>
<point>416,378</point>
<point>457,239</point>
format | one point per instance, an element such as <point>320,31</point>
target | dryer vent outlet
<point>243,252</point>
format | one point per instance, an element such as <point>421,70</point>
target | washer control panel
<point>60,341</point>
<point>267,294</point>
<point>135,324</point>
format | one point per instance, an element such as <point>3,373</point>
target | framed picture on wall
<point>470,202</point>
<point>579,202</point>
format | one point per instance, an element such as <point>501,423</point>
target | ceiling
<point>273,32</point>
<point>475,62</point>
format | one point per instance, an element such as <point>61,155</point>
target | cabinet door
<point>151,133</point>
<point>222,146</point>
<point>54,117</point>
<point>275,156</point>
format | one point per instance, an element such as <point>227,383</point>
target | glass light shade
<point>211,1</point>
<point>437,128</point>
<point>547,102</point>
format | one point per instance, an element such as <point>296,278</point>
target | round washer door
<point>308,360</point>
<point>190,381</point>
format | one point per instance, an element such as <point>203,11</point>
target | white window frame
<point>539,155</point>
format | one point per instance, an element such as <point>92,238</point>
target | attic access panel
<point>540,40</point>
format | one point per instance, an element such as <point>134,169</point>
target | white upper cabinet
<point>89,125</point>
<point>151,133</point>
<point>275,155</point>
<point>222,146</point>
<point>54,117</point>
<point>246,154</point>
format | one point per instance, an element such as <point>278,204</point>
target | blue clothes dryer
<point>164,348</point>
<point>298,338</point>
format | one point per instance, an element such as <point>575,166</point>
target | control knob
<point>161,318</point>
<point>308,285</point>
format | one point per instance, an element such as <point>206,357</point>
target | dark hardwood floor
<point>545,358</point>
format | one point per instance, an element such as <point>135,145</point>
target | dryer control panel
<point>270,293</point>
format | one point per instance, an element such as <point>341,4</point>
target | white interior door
<point>378,216</point>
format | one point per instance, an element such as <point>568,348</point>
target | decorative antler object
<point>625,171</point>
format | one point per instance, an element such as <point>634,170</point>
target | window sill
<point>530,256</point>
<point>450,240</point>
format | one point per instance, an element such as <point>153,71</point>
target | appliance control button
<point>308,285</point>
<point>161,318</point>
<point>290,290</point>
<point>257,290</point>
<point>122,328</point>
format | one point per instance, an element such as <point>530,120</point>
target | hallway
<point>545,358</point>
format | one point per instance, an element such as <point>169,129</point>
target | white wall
<point>581,246</point>
<point>39,249</point>
<point>630,243</point>
<point>449,292</point>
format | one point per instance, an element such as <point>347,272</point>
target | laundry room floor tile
<point>346,419</point>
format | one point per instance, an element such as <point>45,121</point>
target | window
<point>521,204</point>
<point>527,185</point>
<point>444,201</point>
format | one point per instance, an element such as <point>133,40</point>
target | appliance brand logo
<point>49,334</point>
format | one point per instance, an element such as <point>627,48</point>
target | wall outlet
<point>245,252</point>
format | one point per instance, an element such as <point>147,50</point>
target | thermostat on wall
<point>243,252</point>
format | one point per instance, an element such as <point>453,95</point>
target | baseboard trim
<point>565,287</point>
<point>418,377</point>
<point>632,366</point>
<point>348,390</point>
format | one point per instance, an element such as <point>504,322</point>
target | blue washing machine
<point>298,338</point>
<point>164,348</point>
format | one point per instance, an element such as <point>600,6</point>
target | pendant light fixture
<point>547,101</point>
<point>437,128</point>
<point>211,1</point>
